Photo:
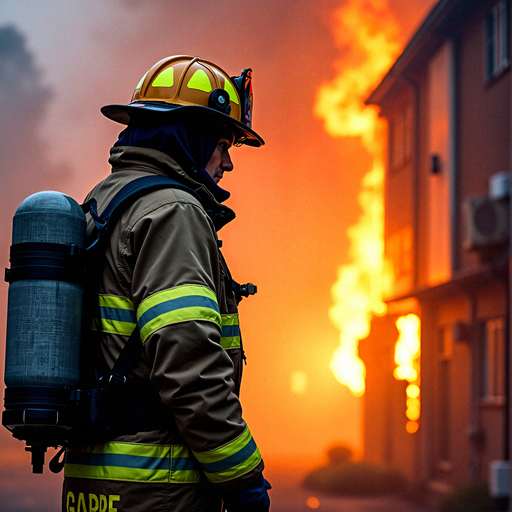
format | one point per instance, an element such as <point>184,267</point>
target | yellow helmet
<point>182,82</point>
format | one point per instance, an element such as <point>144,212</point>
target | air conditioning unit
<point>487,222</point>
<point>499,478</point>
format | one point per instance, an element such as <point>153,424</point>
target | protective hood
<point>191,144</point>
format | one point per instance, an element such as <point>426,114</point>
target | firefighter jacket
<point>163,271</point>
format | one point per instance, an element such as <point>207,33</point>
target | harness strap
<point>120,201</point>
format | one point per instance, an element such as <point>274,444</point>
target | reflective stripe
<point>228,87</point>
<point>231,460</point>
<point>230,331</point>
<point>115,315</point>
<point>200,81</point>
<point>180,304</point>
<point>133,463</point>
<point>165,78</point>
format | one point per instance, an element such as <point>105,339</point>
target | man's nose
<point>226,163</point>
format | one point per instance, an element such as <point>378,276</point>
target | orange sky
<point>294,198</point>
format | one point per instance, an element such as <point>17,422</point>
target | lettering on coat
<point>91,502</point>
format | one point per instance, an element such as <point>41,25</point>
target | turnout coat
<point>164,272</point>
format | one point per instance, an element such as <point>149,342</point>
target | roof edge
<point>416,45</point>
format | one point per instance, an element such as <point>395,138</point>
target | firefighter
<point>178,441</point>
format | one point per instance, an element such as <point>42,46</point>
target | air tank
<point>44,314</point>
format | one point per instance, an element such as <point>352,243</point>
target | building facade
<point>447,105</point>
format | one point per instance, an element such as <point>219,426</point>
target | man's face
<point>220,161</point>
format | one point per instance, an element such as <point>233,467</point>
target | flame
<point>369,35</point>
<point>407,353</point>
<point>407,349</point>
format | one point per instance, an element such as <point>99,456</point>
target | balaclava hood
<point>191,143</point>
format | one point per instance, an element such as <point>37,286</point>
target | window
<point>493,381</point>
<point>497,39</point>
<point>401,136</point>
<point>399,252</point>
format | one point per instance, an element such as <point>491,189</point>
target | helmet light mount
<point>219,100</point>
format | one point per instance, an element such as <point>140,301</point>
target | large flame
<point>369,36</point>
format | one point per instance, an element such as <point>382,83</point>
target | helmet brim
<point>123,113</point>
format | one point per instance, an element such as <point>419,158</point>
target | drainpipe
<point>454,154</point>
<point>475,433</point>
<point>508,355</point>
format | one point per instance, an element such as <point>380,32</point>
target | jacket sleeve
<point>171,253</point>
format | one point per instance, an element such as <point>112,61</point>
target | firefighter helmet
<point>181,82</point>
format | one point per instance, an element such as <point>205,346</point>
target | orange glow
<point>413,391</point>
<point>313,502</point>
<point>299,383</point>
<point>371,33</point>
<point>407,353</point>
<point>407,348</point>
<point>413,413</point>
<point>291,197</point>
<point>412,427</point>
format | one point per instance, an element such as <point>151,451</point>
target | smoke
<point>24,100</point>
<point>25,167</point>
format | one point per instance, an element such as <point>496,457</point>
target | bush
<point>339,454</point>
<point>472,497</point>
<point>357,479</point>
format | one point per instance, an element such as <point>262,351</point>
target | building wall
<point>438,192</point>
<point>491,305</point>
<point>483,122</point>
<point>445,390</point>
<point>464,119</point>
<point>400,194</point>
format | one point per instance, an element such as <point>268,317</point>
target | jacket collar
<point>129,158</point>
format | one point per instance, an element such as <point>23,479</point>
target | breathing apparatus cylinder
<point>42,362</point>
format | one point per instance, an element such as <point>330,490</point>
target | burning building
<point>437,400</point>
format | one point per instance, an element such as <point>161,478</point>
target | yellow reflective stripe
<point>114,301</point>
<point>181,304</point>
<point>165,78</point>
<point>230,331</point>
<point>133,463</point>
<point>228,87</point>
<point>116,315</point>
<point>200,81</point>
<point>139,85</point>
<point>230,461</point>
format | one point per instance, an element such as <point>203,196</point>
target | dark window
<point>497,39</point>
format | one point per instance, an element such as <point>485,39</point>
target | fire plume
<point>368,34</point>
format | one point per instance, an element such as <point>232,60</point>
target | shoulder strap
<point>128,194</point>
<point>104,222</point>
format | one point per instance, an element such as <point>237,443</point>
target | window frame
<point>497,40</point>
